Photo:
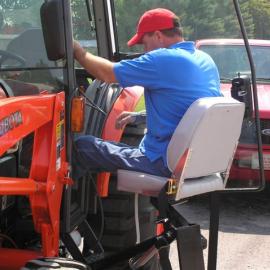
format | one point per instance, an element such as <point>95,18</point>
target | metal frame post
<point>213,230</point>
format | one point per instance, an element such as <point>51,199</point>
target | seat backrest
<point>209,132</point>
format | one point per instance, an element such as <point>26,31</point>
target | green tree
<point>16,4</point>
<point>247,17</point>
<point>199,19</point>
<point>81,26</point>
<point>225,11</point>
<point>260,10</point>
<point>21,12</point>
<point>128,13</point>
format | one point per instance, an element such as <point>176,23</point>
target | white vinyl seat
<point>200,152</point>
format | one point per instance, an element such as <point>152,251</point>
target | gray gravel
<point>244,237</point>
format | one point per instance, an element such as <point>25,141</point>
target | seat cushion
<point>151,185</point>
<point>139,182</point>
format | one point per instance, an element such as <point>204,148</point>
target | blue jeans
<point>96,155</point>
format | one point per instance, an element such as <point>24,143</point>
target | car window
<point>232,60</point>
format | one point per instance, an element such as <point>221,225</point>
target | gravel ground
<point>244,236</point>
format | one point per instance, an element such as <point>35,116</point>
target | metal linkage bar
<point>213,230</point>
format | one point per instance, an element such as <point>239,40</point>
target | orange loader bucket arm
<point>45,116</point>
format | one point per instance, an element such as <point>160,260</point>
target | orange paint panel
<point>103,184</point>
<point>127,101</point>
<point>45,116</point>
<point>20,116</point>
<point>19,186</point>
<point>49,165</point>
<point>14,259</point>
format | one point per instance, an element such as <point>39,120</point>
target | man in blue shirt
<point>173,73</point>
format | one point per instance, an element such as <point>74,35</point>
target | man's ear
<point>160,37</point>
<point>158,34</point>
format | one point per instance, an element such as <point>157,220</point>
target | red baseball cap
<point>152,20</point>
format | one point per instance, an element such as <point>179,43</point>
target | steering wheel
<point>5,55</point>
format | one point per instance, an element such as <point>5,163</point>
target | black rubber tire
<point>55,263</point>
<point>119,229</point>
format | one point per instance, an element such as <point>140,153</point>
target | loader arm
<point>45,116</point>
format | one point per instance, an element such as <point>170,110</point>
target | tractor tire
<point>55,263</point>
<point>120,229</point>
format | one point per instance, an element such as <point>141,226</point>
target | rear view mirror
<point>51,14</point>
<point>241,90</point>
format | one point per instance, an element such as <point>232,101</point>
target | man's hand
<point>78,50</point>
<point>125,118</point>
<point>98,67</point>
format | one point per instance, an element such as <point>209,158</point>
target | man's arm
<point>99,67</point>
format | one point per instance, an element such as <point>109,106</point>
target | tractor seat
<point>200,152</point>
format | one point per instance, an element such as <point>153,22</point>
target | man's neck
<point>173,40</point>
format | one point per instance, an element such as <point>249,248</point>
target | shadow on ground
<point>247,213</point>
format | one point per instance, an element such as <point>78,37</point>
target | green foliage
<point>225,11</point>
<point>81,26</point>
<point>260,10</point>
<point>200,18</point>
<point>247,16</point>
<point>20,13</point>
<point>129,11</point>
<point>141,105</point>
<point>16,4</point>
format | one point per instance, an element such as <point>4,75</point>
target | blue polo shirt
<point>172,78</point>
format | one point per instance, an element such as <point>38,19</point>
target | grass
<point>141,105</point>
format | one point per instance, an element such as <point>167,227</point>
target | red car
<point>231,59</point>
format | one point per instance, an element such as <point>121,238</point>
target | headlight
<point>252,161</point>
<point>244,162</point>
